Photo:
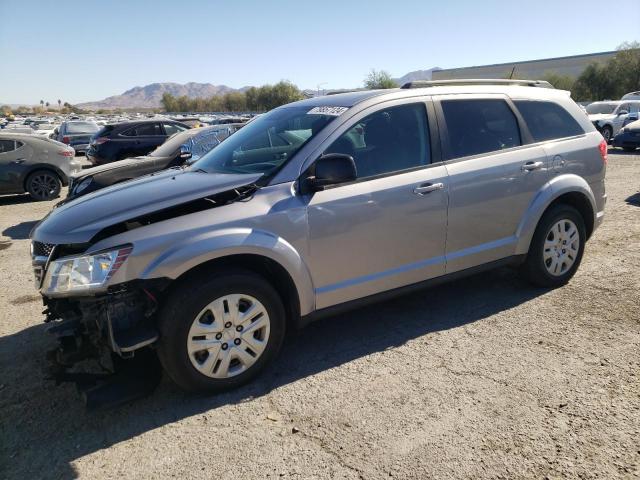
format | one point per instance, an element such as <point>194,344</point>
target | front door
<point>388,228</point>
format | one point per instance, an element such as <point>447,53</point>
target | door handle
<point>428,188</point>
<point>18,161</point>
<point>527,167</point>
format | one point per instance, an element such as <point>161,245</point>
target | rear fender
<point>549,192</point>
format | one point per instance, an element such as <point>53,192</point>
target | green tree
<point>625,68</point>
<point>379,79</point>
<point>561,82</point>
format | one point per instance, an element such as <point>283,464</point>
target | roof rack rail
<point>477,81</point>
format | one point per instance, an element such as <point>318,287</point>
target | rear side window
<point>480,126</point>
<point>144,130</point>
<point>7,146</point>
<point>104,131</point>
<point>389,140</point>
<point>171,128</point>
<point>548,120</point>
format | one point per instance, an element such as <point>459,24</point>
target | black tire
<point>534,268</point>
<point>181,310</point>
<point>43,185</point>
<point>629,149</point>
<point>607,133</point>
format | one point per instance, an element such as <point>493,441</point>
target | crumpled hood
<point>80,219</point>
<point>601,116</point>
<point>111,166</point>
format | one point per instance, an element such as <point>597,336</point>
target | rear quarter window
<point>547,120</point>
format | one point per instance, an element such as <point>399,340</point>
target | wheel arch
<point>44,166</point>
<point>265,267</point>
<point>569,189</point>
<point>256,250</point>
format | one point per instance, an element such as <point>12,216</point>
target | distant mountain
<point>150,96</point>
<point>416,75</point>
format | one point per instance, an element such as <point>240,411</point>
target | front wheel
<point>607,133</point>
<point>219,332</point>
<point>556,248</point>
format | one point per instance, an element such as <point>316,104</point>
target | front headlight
<point>83,273</point>
<point>82,185</point>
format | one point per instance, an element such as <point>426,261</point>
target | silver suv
<point>315,207</point>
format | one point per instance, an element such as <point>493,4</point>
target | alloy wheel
<point>43,186</point>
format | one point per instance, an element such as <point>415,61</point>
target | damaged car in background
<point>315,207</point>
<point>180,149</point>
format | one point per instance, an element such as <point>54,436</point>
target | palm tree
<point>59,104</point>
<point>41,103</point>
<point>47,104</point>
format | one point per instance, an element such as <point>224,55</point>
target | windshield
<point>265,144</point>
<point>605,108</point>
<point>82,127</point>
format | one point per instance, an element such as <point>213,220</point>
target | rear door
<point>147,136</point>
<point>494,174</point>
<point>14,162</point>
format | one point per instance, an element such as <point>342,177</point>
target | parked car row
<point>181,148</point>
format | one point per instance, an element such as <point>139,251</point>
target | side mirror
<point>623,112</point>
<point>185,154</point>
<point>56,131</point>
<point>332,169</point>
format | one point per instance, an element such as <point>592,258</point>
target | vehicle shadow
<point>14,199</point>
<point>619,151</point>
<point>46,428</point>
<point>633,200</point>
<point>20,231</point>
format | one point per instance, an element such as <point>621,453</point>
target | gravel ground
<point>486,377</point>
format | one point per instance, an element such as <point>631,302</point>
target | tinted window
<point>171,128</point>
<point>6,146</point>
<point>479,126</point>
<point>389,140</point>
<point>548,120</point>
<point>81,127</point>
<point>148,129</point>
<point>104,131</point>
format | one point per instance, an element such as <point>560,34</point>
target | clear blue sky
<point>87,50</point>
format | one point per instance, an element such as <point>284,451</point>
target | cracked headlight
<point>84,273</point>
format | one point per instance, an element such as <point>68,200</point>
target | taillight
<point>101,140</point>
<point>65,139</point>
<point>603,147</point>
<point>66,153</point>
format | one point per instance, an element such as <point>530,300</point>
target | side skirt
<point>397,292</point>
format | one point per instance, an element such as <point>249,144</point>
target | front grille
<point>42,249</point>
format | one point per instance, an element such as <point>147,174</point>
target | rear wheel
<point>556,248</point>
<point>43,185</point>
<point>219,332</point>
<point>607,133</point>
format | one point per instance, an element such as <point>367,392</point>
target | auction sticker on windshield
<point>333,111</point>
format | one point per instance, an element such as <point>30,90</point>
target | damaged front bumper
<point>105,342</point>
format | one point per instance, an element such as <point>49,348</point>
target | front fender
<point>195,251</point>
<point>550,191</point>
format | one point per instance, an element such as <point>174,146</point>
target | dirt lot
<point>483,378</point>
